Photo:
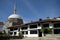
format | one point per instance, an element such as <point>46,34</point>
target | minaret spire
<point>14,9</point>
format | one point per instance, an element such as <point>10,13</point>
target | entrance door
<point>39,33</point>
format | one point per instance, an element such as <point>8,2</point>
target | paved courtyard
<point>49,37</point>
<point>39,38</point>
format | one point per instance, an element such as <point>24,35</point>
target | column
<point>38,29</point>
<point>38,26</point>
<point>43,30</point>
<point>24,34</point>
<point>20,29</point>
<point>28,30</point>
<point>13,34</point>
<point>51,26</point>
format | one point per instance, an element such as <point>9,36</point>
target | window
<point>33,26</point>
<point>24,28</point>
<point>26,32</point>
<point>15,28</point>
<point>45,25</point>
<point>10,33</point>
<point>56,31</point>
<point>11,29</point>
<point>33,32</point>
<point>57,25</point>
<point>14,33</point>
<point>38,24</point>
<point>22,32</point>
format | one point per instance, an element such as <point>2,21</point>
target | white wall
<point>31,35</point>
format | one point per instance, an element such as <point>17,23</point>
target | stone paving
<point>51,37</point>
<point>39,38</point>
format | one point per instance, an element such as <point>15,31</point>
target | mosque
<point>15,24</point>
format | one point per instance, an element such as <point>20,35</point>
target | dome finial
<point>14,9</point>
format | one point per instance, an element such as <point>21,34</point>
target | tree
<point>46,30</point>
<point>20,35</point>
<point>4,34</point>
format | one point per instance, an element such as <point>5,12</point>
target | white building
<point>15,24</point>
<point>33,29</point>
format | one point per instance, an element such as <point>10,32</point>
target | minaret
<point>14,9</point>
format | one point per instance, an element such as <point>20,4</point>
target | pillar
<point>39,27</point>
<point>28,30</point>
<point>42,28</point>
<point>51,26</point>
<point>13,34</point>
<point>20,29</point>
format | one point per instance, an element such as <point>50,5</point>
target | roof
<point>41,21</point>
<point>49,20</point>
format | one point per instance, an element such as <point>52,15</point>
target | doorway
<point>39,33</point>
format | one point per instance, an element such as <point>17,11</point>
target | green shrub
<point>46,29</point>
<point>4,34</point>
<point>20,35</point>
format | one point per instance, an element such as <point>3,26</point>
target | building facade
<point>14,25</point>
<point>34,29</point>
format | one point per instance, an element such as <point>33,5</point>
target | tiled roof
<point>42,21</point>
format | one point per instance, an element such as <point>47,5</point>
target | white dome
<point>14,16</point>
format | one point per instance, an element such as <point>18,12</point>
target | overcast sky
<point>30,9</point>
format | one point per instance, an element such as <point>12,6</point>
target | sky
<point>30,10</point>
